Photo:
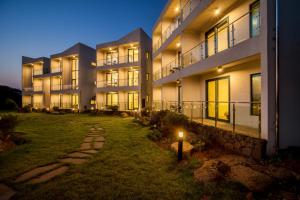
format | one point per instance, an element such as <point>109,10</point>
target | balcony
<point>118,60</point>
<point>185,11</point>
<point>55,69</point>
<point>37,72</point>
<point>70,87</point>
<point>118,83</point>
<point>56,87</point>
<point>241,117</point>
<point>238,32</point>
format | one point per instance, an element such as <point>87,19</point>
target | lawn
<point>129,166</point>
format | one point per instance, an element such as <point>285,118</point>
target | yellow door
<point>133,101</point>
<point>218,99</point>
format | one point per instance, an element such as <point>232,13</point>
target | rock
<point>253,180</point>
<point>211,170</point>
<point>37,171</point>
<point>124,114</point>
<point>186,147</point>
<point>6,192</point>
<point>49,175</point>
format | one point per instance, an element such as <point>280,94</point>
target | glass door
<point>133,55</point>
<point>133,78</point>
<point>112,99</point>
<point>133,101</point>
<point>218,97</point>
<point>112,79</point>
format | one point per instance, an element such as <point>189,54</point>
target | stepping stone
<point>6,192</point>
<point>99,129</point>
<point>75,161</point>
<point>88,139</point>
<point>86,146</point>
<point>49,175</point>
<point>92,129</point>
<point>98,145</point>
<point>78,155</point>
<point>99,139</point>
<point>37,171</point>
<point>92,151</point>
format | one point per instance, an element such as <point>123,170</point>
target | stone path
<point>93,141</point>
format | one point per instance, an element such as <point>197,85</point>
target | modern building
<point>66,81</point>
<point>123,72</point>
<point>213,61</point>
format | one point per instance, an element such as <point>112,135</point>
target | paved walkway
<point>93,141</point>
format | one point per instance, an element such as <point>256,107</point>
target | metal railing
<point>118,60</point>
<point>237,117</point>
<point>55,69</point>
<point>236,32</point>
<point>56,87</point>
<point>37,72</point>
<point>118,83</point>
<point>185,11</point>
<point>121,106</point>
<point>28,89</point>
<point>168,69</point>
<point>37,88</point>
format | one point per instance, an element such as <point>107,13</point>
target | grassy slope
<point>128,167</point>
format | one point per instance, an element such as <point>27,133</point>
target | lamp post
<point>180,145</point>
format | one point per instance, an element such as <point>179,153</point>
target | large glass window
<point>133,101</point>
<point>112,99</point>
<point>75,73</point>
<point>75,101</point>
<point>217,38</point>
<point>112,79</point>
<point>112,58</point>
<point>254,19</point>
<point>255,94</point>
<point>133,78</point>
<point>133,55</point>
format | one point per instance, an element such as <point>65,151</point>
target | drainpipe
<point>277,136</point>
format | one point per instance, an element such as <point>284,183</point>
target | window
<point>255,93</point>
<point>147,76</point>
<point>217,38</point>
<point>133,78</point>
<point>112,99</point>
<point>147,55</point>
<point>133,101</point>
<point>75,101</point>
<point>254,19</point>
<point>112,58</point>
<point>133,55</point>
<point>112,79</point>
<point>74,67</point>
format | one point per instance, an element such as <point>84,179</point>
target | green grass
<point>130,166</point>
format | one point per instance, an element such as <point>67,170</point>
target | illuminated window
<point>147,76</point>
<point>133,78</point>
<point>254,19</point>
<point>75,73</point>
<point>133,55</point>
<point>133,101</point>
<point>255,93</point>
<point>147,55</point>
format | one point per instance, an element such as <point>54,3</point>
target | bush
<point>157,117</point>
<point>155,135</point>
<point>55,108</point>
<point>7,123</point>
<point>113,108</point>
<point>200,145</point>
<point>10,104</point>
<point>27,109</point>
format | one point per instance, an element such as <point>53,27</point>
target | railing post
<point>216,113</point>
<point>233,116</point>
<point>202,116</point>
<point>232,34</point>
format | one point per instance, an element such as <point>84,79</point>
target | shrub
<point>7,123</point>
<point>200,145</point>
<point>10,104</point>
<point>155,135</point>
<point>157,117</point>
<point>27,109</point>
<point>114,108</point>
<point>55,108</point>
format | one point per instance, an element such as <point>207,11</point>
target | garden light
<point>180,145</point>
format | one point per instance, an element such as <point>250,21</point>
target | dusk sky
<point>36,28</point>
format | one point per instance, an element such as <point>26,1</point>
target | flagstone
<point>98,145</point>
<point>75,161</point>
<point>99,139</point>
<point>49,175</point>
<point>92,151</point>
<point>78,155</point>
<point>86,146</point>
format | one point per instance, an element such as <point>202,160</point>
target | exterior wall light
<point>180,145</point>
<point>220,69</point>
<point>176,9</point>
<point>178,44</point>
<point>217,11</point>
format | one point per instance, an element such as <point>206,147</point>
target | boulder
<point>210,171</point>
<point>253,180</point>
<point>124,114</point>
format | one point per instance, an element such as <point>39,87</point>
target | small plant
<point>155,135</point>
<point>200,146</point>
<point>7,124</point>
<point>27,109</point>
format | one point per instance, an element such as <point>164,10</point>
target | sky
<point>36,28</point>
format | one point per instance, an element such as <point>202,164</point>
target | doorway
<point>218,98</point>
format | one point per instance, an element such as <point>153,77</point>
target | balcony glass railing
<point>37,88</point>
<point>118,60</point>
<point>185,11</point>
<point>55,69</point>
<point>118,83</point>
<point>37,72</point>
<point>56,87</point>
<point>229,36</point>
<point>232,116</point>
<point>121,105</point>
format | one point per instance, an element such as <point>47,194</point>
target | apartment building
<point>213,61</point>
<point>64,81</point>
<point>123,72</point>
